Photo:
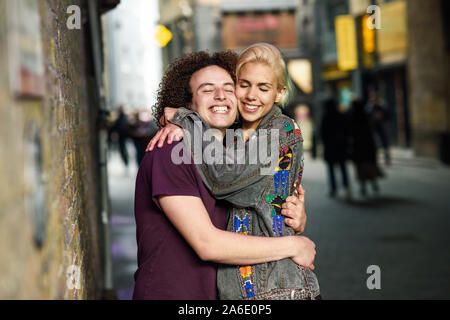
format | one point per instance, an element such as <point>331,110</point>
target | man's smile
<point>220,109</point>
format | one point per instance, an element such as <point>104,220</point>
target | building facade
<point>405,46</point>
<point>342,48</point>
<point>428,76</point>
<point>132,57</point>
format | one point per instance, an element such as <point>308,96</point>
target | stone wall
<point>39,245</point>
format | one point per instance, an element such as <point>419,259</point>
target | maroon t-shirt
<point>168,268</point>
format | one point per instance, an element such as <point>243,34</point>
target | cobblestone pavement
<point>404,230</point>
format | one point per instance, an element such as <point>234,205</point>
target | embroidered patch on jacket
<point>275,202</point>
<point>281,175</point>
<point>241,225</point>
<point>297,131</point>
<point>248,286</point>
<point>277,225</point>
<point>300,171</point>
<point>245,271</point>
<point>289,129</point>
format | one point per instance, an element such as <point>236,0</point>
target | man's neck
<point>219,134</point>
<point>249,128</point>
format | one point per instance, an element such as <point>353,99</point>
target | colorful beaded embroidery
<point>245,272</point>
<point>281,175</point>
<point>275,202</point>
<point>289,129</point>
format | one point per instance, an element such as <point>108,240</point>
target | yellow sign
<point>347,50</point>
<point>368,35</point>
<point>163,35</point>
<point>368,43</point>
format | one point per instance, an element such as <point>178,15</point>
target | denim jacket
<point>256,200</point>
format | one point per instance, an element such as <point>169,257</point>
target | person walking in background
<point>142,128</point>
<point>364,153</point>
<point>378,115</point>
<point>121,128</point>
<point>335,138</point>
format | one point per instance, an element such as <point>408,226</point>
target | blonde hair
<point>271,56</point>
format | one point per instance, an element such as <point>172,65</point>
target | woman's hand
<point>170,131</point>
<point>294,211</point>
<point>305,252</point>
<point>168,115</point>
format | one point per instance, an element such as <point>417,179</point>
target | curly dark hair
<point>174,90</point>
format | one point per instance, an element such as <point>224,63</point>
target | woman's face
<point>256,92</point>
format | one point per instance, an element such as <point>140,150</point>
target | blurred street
<point>403,231</point>
<point>123,226</point>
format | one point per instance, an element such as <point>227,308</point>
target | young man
<point>180,226</point>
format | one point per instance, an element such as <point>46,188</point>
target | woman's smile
<point>250,107</point>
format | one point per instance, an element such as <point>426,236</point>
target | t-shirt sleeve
<point>163,177</point>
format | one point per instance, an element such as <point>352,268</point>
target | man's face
<point>213,96</point>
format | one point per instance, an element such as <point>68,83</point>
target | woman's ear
<point>280,95</point>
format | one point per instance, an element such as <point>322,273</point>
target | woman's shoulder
<point>280,121</point>
<point>288,127</point>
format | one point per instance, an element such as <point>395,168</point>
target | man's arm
<point>188,214</point>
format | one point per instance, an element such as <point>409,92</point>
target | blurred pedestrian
<point>142,129</point>
<point>121,128</point>
<point>335,138</point>
<point>378,114</point>
<point>363,149</point>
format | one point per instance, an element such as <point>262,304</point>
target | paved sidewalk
<point>123,226</point>
<point>404,231</point>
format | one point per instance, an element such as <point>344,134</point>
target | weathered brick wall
<point>66,121</point>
